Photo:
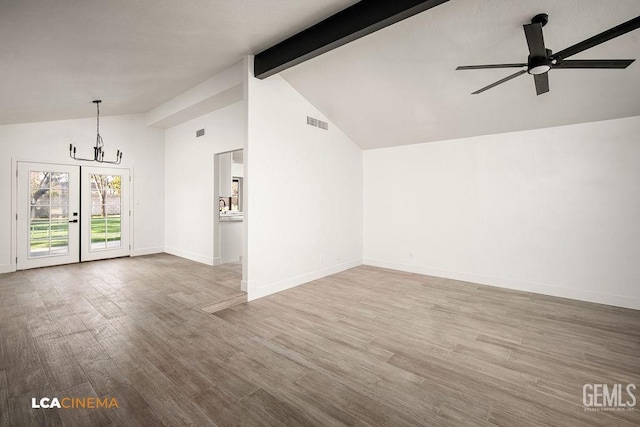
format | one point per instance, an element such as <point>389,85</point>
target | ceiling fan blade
<point>598,39</point>
<point>594,63</point>
<point>480,67</point>
<point>499,82</point>
<point>535,40</point>
<point>542,83</point>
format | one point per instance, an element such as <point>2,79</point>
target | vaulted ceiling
<point>399,85</point>
<point>56,56</point>
<point>396,86</point>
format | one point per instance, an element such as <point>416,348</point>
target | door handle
<point>75,220</point>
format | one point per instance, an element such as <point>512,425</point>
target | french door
<point>48,208</point>
<point>105,213</point>
<point>67,214</point>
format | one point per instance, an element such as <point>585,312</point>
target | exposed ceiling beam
<point>364,17</point>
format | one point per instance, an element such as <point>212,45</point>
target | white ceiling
<point>57,56</point>
<point>399,85</point>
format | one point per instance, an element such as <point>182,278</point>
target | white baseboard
<point>189,255</point>
<point>147,251</point>
<point>519,285</point>
<point>6,268</point>
<point>256,290</point>
<point>216,261</point>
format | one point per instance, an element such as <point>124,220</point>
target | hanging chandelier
<point>98,150</point>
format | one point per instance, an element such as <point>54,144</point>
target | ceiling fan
<point>541,60</point>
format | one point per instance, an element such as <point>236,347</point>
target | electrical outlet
<point>321,259</point>
<point>411,254</point>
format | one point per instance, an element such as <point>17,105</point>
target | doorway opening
<point>229,212</point>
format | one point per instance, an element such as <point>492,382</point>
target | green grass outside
<point>101,231</point>
<point>108,230</point>
<point>40,233</point>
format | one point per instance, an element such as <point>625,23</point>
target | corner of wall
<point>147,251</point>
<point>287,156</point>
<point>259,290</point>
<point>190,255</point>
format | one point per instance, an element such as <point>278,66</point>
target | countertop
<point>235,217</point>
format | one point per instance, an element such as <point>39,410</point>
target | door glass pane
<point>48,213</point>
<point>106,206</point>
<point>60,229</point>
<point>60,197</point>
<point>59,247</point>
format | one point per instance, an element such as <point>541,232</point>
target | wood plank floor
<point>364,347</point>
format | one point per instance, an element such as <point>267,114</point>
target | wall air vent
<point>317,123</point>
<point>199,133</point>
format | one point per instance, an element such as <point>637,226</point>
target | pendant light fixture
<point>98,151</point>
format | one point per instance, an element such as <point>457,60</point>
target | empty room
<point>245,213</point>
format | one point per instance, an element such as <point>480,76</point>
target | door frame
<point>13,251</point>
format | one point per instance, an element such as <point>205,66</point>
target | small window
<point>236,194</point>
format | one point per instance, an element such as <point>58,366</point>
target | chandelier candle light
<point>98,152</point>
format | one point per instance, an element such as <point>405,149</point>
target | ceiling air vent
<point>317,123</point>
<point>199,133</point>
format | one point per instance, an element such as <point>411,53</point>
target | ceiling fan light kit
<point>542,60</point>
<point>539,69</point>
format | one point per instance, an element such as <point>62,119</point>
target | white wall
<point>554,211</point>
<point>189,171</point>
<point>48,142</point>
<point>304,191</point>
